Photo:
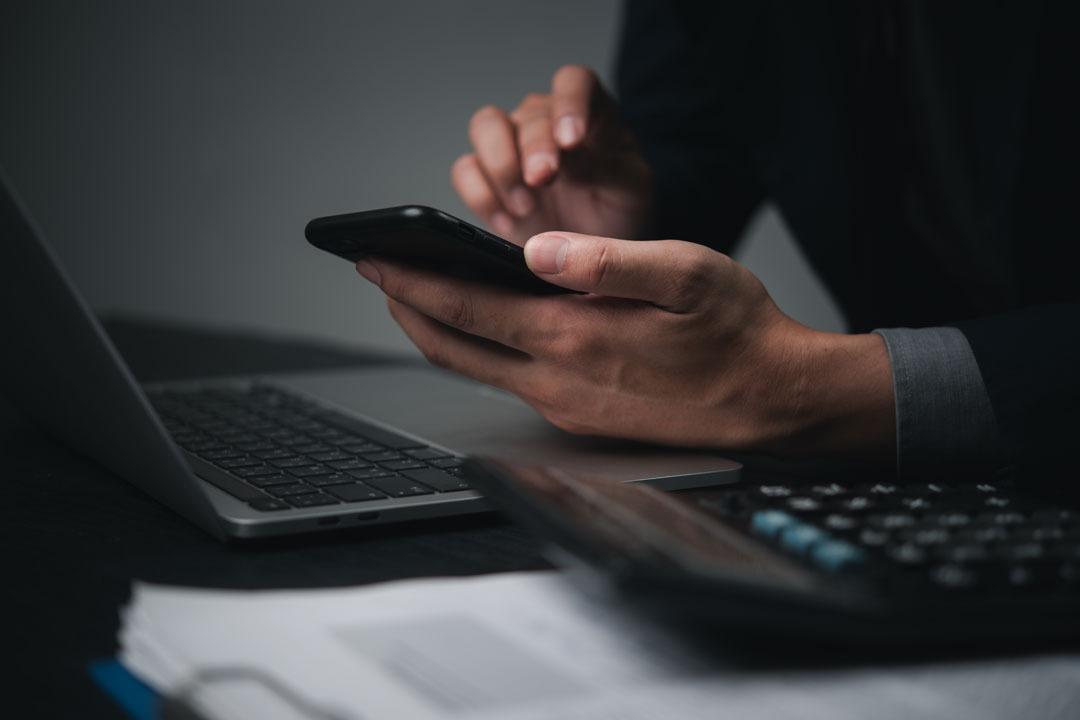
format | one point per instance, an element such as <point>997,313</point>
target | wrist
<point>837,397</point>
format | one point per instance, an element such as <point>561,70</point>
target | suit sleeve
<point>1030,364</point>
<point>681,78</point>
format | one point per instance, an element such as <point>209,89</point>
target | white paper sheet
<point>525,646</point>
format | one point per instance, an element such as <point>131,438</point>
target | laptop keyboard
<point>276,450</point>
<point>956,536</point>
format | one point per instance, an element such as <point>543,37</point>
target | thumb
<point>670,273</point>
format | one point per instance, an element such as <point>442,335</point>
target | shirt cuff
<point>943,412</point>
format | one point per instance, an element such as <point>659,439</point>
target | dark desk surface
<point>75,536</point>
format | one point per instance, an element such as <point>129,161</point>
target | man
<point>920,155</point>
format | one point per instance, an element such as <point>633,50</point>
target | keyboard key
<point>882,489</point>
<point>874,538</point>
<point>312,448</point>
<point>402,464</point>
<point>802,504</point>
<point>268,480</point>
<point>840,523</point>
<point>331,479</point>
<point>290,462</point>
<point>927,536</point>
<point>907,554</point>
<point>1003,518</point>
<point>437,479</point>
<point>308,470</point>
<point>275,454</point>
<point>383,456</point>
<point>331,456</point>
<point>799,537</point>
<point>915,503</point>
<point>397,486</point>
<point>770,523</point>
<point>269,505</point>
<point>949,520</point>
<point>891,521</point>
<point>311,500</point>
<point>356,492</point>
<point>297,488</point>
<point>351,464</point>
<point>859,503</point>
<point>954,577</point>
<point>446,463</point>
<point>830,490</point>
<point>368,473</point>
<point>774,491</point>
<point>836,555</point>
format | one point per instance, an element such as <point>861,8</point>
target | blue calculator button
<point>799,537</point>
<point>836,555</point>
<point>770,522</point>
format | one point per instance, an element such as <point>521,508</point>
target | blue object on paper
<point>138,699</point>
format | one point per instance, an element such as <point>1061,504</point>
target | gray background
<point>172,151</point>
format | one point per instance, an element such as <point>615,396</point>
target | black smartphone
<point>427,238</point>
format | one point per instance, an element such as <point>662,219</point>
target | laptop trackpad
<point>475,419</point>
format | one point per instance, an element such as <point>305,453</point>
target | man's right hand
<point>559,161</point>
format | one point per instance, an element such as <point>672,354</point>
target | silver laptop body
<point>59,367</point>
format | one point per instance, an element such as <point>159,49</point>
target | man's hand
<point>670,342</point>
<point>558,161</point>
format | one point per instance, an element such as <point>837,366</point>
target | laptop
<point>250,457</point>
<point>848,561</point>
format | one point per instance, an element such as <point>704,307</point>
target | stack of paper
<point>516,647</point>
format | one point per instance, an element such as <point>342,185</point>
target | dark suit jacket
<point>923,154</point>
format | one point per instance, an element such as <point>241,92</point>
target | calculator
<point>852,561</point>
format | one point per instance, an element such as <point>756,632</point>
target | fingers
<point>536,145</point>
<point>473,188</point>
<point>494,138</point>
<point>674,275</point>
<point>518,321</point>
<point>572,91</point>
<point>469,355</point>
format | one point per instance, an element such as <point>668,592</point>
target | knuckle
<point>600,266</point>
<point>694,278</point>
<point>571,346</point>
<point>457,311</point>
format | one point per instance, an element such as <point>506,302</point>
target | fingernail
<point>539,166</point>
<point>369,271</point>
<point>569,129</point>
<point>521,201</point>
<point>546,253</point>
<point>502,223</point>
